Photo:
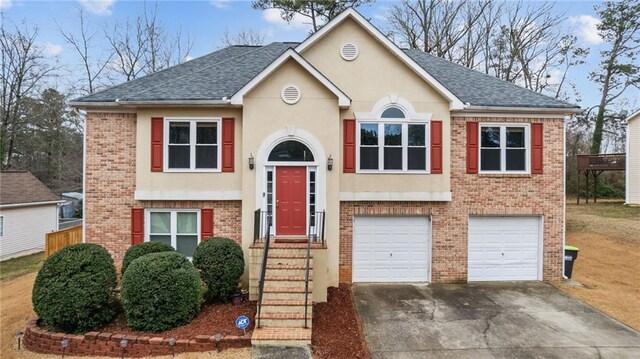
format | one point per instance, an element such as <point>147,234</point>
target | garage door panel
<point>405,238</point>
<point>503,248</point>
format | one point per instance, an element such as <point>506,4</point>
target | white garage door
<point>504,248</point>
<point>391,249</point>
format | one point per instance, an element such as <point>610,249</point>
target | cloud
<point>98,7</point>
<point>272,16</point>
<point>221,4</point>
<point>5,4</point>
<point>586,28</point>
<point>50,49</point>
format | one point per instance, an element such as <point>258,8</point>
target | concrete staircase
<point>282,317</point>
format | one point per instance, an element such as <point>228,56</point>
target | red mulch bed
<point>337,331</point>
<point>212,319</point>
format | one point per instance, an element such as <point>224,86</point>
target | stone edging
<point>41,340</point>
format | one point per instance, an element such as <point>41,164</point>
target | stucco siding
<point>633,161</point>
<point>25,228</point>
<point>375,74</point>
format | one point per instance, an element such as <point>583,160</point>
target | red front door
<point>291,200</point>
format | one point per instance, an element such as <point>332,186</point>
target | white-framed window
<point>1,226</point>
<point>178,228</point>
<point>393,143</point>
<point>504,148</point>
<point>192,144</point>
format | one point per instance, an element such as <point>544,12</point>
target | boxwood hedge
<point>74,289</point>
<point>141,249</point>
<point>221,263</point>
<point>160,291</point>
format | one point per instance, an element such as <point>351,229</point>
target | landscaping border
<point>40,340</point>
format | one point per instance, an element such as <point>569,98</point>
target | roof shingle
<point>18,187</point>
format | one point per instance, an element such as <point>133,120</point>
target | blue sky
<point>206,20</point>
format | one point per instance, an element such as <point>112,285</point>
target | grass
<point>607,209</point>
<point>16,267</point>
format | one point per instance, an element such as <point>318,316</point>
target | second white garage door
<point>504,248</point>
<point>391,249</point>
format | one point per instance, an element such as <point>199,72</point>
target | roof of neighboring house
<point>21,187</point>
<point>221,74</point>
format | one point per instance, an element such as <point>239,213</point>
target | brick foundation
<point>110,187</point>
<point>477,194</point>
<point>40,340</point>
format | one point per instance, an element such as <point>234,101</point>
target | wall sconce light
<point>252,162</point>
<point>330,163</point>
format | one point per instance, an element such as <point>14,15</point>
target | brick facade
<point>478,194</point>
<point>110,187</point>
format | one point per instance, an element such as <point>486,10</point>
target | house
<point>632,178</point>
<point>411,168</point>
<point>28,210</point>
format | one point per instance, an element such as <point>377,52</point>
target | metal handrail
<point>318,217</point>
<point>264,259</point>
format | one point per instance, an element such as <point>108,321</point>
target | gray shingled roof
<point>479,89</point>
<point>224,72</point>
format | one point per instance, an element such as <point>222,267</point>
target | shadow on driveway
<point>493,320</point>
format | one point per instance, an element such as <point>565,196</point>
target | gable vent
<point>291,94</point>
<point>349,51</point>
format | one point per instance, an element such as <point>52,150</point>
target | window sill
<point>499,175</point>
<point>390,172</point>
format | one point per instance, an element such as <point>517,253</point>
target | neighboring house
<point>427,171</point>
<point>73,201</point>
<point>632,178</point>
<point>28,210</point>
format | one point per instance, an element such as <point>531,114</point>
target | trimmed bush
<point>141,249</point>
<point>160,291</point>
<point>221,263</point>
<point>74,289</point>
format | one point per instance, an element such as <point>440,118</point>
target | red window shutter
<point>436,147</point>
<point>228,133</point>
<point>137,226</point>
<point>536,147</point>
<point>349,159</point>
<point>472,147</point>
<point>157,137</point>
<point>206,223</point>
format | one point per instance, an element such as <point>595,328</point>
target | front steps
<point>282,316</point>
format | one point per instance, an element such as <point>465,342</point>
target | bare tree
<point>249,37</point>
<point>93,68</point>
<point>619,68</point>
<point>23,69</point>
<point>142,46</point>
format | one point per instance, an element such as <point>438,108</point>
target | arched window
<point>392,112</point>
<point>291,151</point>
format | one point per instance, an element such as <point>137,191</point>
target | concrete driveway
<point>497,320</point>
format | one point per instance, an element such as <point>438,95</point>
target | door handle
<point>277,203</point>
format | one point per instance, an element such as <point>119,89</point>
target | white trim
<point>454,102</point>
<point>343,100</point>
<point>507,115</point>
<point>84,179</point>
<point>396,196</point>
<point>193,122</point>
<point>261,163</point>
<point>30,204</point>
<point>564,191</point>
<point>510,110</point>
<point>502,148</point>
<point>188,195</point>
<point>173,226</point>
<point>627,171</point>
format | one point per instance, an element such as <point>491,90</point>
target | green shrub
<point>74,289</point>
<point>141,249</point>
<point>221,263</point>
<point>160,291</point>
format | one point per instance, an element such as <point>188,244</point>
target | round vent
<point>290,94</point>
<point>349,51</point>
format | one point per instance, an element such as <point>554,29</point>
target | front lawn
<point>608,263</point>
<point>16,267</point>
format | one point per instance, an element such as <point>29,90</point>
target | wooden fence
<point>57,240</point>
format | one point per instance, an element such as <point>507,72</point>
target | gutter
<point>532,110</point>
<point>31,204</point>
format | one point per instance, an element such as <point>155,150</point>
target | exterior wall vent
<point>291,94</point>
<point>349,51</point>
